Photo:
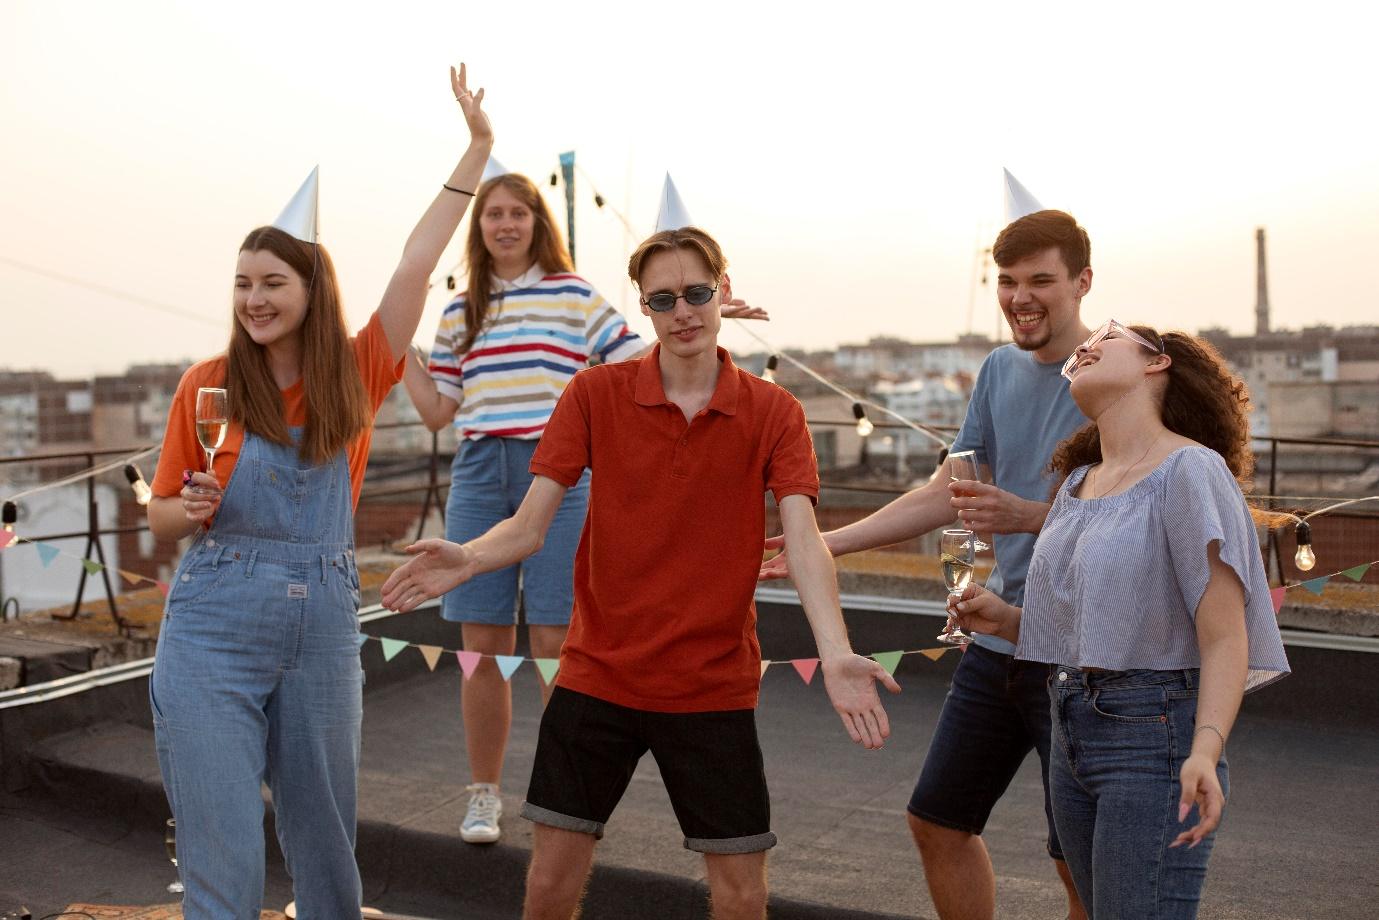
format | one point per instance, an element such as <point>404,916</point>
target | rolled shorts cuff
<point>539,815</point>
<point>731,846</point>
<point>946,822</point>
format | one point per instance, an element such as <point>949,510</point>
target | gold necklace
<point>1128,468</point>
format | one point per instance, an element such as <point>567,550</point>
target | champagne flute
<point>962,466</point>
<point>958,554</point>
<point>170,844</point>
<point>212,418</point>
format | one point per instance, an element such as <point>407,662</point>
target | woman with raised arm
<point>1147,588</point>
<point>256,677</point>
<point>504,351</point>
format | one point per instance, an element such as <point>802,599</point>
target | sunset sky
<point>848,156</point>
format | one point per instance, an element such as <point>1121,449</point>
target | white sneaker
<point>480,824</point>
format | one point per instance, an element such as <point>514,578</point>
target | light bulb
<point>1305,558</point>
<point>864,425</point>
<point>142,493</point>
<point>769,375</point>
<point>9,516</point>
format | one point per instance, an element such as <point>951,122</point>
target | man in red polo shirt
<point>662,652</point>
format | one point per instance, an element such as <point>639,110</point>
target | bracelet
<point>460,191</point>
<point>1212,728</point>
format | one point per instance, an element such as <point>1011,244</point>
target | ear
<point>725,289</point>
<point>1160,364</point>
<point>1084,282</point>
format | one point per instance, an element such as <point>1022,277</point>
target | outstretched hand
<point>436,566</point>
<point>737,308</point>
<point>850,681</point>
<point>471,104</point>
<point>777,566</point>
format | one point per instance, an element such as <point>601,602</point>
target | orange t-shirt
<point>181,450</point>
<point>664,616</point>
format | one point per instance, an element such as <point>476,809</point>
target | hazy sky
<point>848,156</point>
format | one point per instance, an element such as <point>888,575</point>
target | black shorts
<point>710,761</point>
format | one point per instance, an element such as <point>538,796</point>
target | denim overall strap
<point>257,679</point>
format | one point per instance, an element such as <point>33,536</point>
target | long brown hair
<point>337,406</point>
<point>547,249</point>
<point>1202,400</point>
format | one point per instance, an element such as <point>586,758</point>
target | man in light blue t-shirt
<point>997,709</point>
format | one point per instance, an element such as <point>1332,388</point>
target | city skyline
<point>151,138</point>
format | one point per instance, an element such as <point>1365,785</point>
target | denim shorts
<point>489,479</point>
<point>1120,739</point>
<point>711,764</point>
<point>996,712</point>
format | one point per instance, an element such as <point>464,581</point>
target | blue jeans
<point>996,712</point>
<point>489,479</point>
<point>1120,739</point>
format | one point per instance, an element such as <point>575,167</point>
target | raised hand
<point>471,104</point>
<point>436,566</point>
<point>737,308</point>
<point>850,681</point>
<point>777,566</point>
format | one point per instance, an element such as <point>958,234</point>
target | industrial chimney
<point>1261,287</point>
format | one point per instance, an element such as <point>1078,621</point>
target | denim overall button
<point>186,578</point>
<point>210,541</point>
<point>1062,675</point>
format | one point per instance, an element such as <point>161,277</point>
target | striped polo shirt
<point>540,330</point>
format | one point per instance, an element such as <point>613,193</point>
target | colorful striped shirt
<point>540,330</point>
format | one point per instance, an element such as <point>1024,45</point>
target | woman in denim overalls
<point>1147,593</point>
<point>257,676</point>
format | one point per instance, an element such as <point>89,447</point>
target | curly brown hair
<point>1203,401</point>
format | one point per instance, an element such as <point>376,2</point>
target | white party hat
<point>673,214</point>
<point>299,217</point>
<point>493,169</point>
<point>1019,201</point>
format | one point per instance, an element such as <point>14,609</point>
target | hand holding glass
<point>958,554</point>
<point>962,467</point>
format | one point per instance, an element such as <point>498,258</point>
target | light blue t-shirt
<point>1020,410</point>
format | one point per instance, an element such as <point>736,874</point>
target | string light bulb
<point>142,493</point>
<point>450,282</point>
<point>769,375</point>
<point>864,425</point>
<point>555,180</point>
<point>1305,558</point>
<point>598,200</point>
<point>9,516</point>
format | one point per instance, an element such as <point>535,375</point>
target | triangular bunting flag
<point>1317,585</point>
<point>468,662</point>
<point>934,654</point>
<point>1276,595</point>
<point>91,567</point>
<point>391,647</point>
<point>888,660</point>
<point>432,654</point>
<point>131,577</point>
<point>1357,572</point>
<point>806,667</point>
<point>163,586</point>
<point>46,553</point>
<point>6,538</point>
<point>508,664</point>
<point>764,665</point>
<point>363,637</point>
<point>547,667</point>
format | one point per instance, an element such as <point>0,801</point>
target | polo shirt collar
<point>649,391</point>
<point>529,278</point>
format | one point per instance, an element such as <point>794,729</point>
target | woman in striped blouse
<point>1147,593</point>
<point>504,351</point>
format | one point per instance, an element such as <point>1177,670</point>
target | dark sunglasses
<point>696,296</point>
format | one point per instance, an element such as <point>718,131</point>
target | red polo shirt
<point>664,617</point>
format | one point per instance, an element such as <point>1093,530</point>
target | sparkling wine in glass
<point>170,844</point>
<point>962,466</point>
<point>958,555</point>
<point>212,418</point>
